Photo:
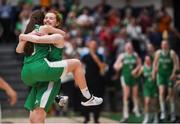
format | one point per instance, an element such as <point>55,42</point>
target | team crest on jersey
<point>165,60</point>
<point>129,61</point>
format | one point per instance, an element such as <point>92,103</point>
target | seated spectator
<point>85,19</point>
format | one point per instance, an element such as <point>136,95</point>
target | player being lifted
<point>37,69</point>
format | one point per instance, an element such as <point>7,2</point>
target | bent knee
<point>77,62</point>
<point>38,116</point>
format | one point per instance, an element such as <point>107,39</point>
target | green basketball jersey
<point>147,72</point>
<point>40,51</point>
<point>55,54</point>
<point>129,63</point>
<point>165,64</point>
<point>150,88</point>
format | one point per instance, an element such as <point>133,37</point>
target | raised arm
<point>20,46</point>
<point>45,39</point>
<point>52,30</point>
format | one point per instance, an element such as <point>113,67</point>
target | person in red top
<point>113,18</point>
<point>145,20</point>
<point>107,38</point>
<point>164,20</point>
<point>45,3</point>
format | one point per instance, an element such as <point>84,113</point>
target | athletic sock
<point>146,117</point>
<point>86,93</point>
<point>136,108</point>
<point>125,110</point>
<point>162,105</point>
<point>172,107</point>
<point>155,115</point>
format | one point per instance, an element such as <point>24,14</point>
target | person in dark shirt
<point>94,71</point>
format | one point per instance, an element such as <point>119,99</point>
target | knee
<point>161,93</point>
<point>171,95</point>
<point>37,116</point>
<point>135,95</point>
<point>147,102</point>
<point>126,96</point>
<point>77,62</point>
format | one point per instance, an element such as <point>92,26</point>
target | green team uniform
<point>150,87</point>
<point>43,76</point>
<point>38,68</point>
<point>165,68</point>
<point>129,63</point>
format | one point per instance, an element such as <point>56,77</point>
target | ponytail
<point>36,18</point>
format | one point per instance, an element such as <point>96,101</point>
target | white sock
<point>155,117</point>
<point>146,117</point>
<point>155,114</point>
<point>86,93</point>
<point>172,107</point>
<point>125,110</point>
<point>136,108</point>
<point>162,106</point>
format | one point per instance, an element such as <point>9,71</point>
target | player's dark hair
<point>35,19</point>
